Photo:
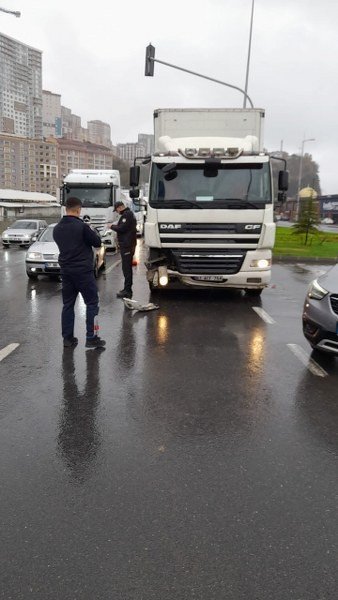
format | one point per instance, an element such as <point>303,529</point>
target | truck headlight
<point>261,263</point>
<point>34,255</point>
<point>316,291</point>
<point>163,276</point>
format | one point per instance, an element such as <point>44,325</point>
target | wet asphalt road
<point>195,458</point>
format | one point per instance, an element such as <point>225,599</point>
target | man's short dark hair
<point>73,202</point>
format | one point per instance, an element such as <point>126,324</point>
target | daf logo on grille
<point>86,218</point>
<point>252,227</point>
<point>170,226</point>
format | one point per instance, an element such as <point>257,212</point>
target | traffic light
<point>150,62</point>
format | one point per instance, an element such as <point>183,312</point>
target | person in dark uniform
<point>126,237</point>
<point>76,240</point>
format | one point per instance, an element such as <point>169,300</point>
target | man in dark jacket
<point>76,240</point>
<point>126,237</point>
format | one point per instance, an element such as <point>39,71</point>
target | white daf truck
<point>98,191</point>
<point>210,207</point>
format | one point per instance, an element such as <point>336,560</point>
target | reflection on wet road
<point>196,457</point>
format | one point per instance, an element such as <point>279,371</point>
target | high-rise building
<point>20,89</point>
<point>51,114</point>
<point>99,133</point>
<point>147,140</point>
<point>130,151</point>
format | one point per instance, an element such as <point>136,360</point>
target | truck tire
<point>31,275</point>
<point>253,293</point>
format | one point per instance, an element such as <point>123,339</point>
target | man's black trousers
<point>127,267</point>
<point>72,285</point>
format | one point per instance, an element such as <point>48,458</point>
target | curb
<point>304,259</point>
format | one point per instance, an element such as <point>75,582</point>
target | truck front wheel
<point>253,293</point>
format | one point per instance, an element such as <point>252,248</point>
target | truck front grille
<point>206,262</point>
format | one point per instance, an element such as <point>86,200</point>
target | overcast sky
<point>93,55</point>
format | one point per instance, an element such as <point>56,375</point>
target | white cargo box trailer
<point>209,122</point>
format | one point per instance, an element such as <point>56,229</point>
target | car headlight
<point>261,263</point>
<point>34,255</point>
<point>26,236</point>
<point>4,236</point>
<point>316,291</point>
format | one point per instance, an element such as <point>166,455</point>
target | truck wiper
<point>167,203</point>
<point>241,202</point>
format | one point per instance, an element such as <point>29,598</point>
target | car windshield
<point>90,197</point>
<point>24,225</point>
<point>233,186</point>
<point>47,235</point>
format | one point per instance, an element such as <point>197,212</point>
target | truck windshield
<point>230,186</point>
<point>90,197</point>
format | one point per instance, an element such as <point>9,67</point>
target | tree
<point>308,218</point>
<point>310,172</point>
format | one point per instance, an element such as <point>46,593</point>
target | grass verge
<point>319,245</point>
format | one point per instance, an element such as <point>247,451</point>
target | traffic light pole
<point>150,60</point>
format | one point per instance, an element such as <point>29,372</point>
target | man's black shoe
<point>70,342</point>
<point>124,294</point>
<point>95,342</point>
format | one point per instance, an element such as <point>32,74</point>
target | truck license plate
<point>209,278</point>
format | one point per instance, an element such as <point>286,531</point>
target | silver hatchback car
<point>320,313</point>
<point>22,232</point>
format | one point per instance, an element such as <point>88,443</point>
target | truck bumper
<point>243,280</point>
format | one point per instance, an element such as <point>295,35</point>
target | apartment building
<point>82,155</point>
<point>51,114</point>
<point>130,151</point>
<point>146,140</point>
<point>27,164</point>
<point>99,133</point>
<point>20,88</point>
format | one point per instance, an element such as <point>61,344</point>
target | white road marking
<point>308,362</point>
<point>118,262</point>
<point>7,350</point>
<point>263,315</point>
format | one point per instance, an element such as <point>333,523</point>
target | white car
<point>327,221</point>
<point>22,232</point>
<point>42,257</point>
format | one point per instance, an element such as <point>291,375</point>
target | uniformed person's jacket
<point>126,229</point>
<point>75,240</point>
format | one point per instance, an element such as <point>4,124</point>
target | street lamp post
<point>16,13</point>
<point>300,172</point>
<point>249,55</point>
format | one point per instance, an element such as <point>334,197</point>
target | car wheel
<point>31,275</point>
<point>253,293</point>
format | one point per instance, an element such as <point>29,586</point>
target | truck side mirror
<point>283,181</point>
<point>134,176</point>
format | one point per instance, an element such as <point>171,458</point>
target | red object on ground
<point>134,263</point>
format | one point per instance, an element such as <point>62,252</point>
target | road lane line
<point>118,262</point>
<point>308,362</point>
<point>263,315</point>
<point>7,350</point>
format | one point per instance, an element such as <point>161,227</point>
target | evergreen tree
<point>308,218</point>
